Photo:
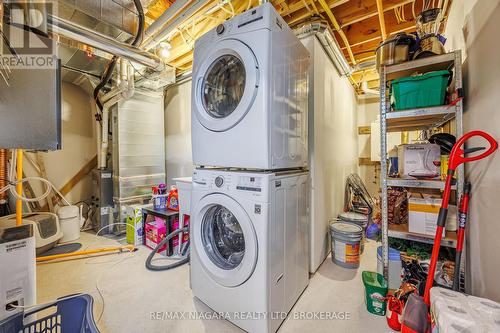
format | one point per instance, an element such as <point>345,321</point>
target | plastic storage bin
<point>395,267</point>
<point>420,91</point>
<point>375,292</point>
<point>72,315</point>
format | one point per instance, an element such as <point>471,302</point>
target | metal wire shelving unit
<point>411,120</point>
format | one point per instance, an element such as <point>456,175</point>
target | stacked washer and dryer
<point>249,221</point>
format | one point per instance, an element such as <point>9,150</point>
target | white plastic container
<point>69,218</point>
<point>395,267</point>
<point>18,278</point>
<point>184,184</point>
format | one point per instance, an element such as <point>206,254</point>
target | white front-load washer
<point>250,94</point>
<point>249,257</point>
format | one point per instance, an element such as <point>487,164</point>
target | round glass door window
<point>223,86</point>
<point>223,238</point>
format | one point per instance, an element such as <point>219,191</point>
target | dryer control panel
<point>257,18</point>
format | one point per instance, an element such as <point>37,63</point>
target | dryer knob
<point>220,29</point>
<point>219,181</point>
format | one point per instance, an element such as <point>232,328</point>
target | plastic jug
<point>173,199</point>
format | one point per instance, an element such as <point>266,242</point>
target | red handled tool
<point>416,317</point>
<point>457,157</point>
<point>462,222</point>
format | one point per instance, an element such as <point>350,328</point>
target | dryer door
<point>225,240</point>
<point>226,84</point>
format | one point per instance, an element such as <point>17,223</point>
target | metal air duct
<point>82,34</point>
<point>329,43</point>
<point>157,34</point>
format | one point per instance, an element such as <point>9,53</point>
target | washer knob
<point>220,29</point>
<point>219,181</point>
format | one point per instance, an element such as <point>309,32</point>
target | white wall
<point>78,145</point>
<point>333,145</point>
<point>179,161</point>
<point>475,27</point>
<point>368,110</point>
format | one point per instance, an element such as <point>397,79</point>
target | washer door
<point>226,85</point>
<point>225,240</point>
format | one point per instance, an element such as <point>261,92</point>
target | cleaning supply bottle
<point>173,199</point>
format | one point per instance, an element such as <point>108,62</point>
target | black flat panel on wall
<point>30,109</point>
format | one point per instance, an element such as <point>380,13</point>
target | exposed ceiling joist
<point>360,24</point>
<point>381,19</point>
<point>336,25</point>
<point>355,18</point>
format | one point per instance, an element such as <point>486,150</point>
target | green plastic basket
<point>420,91</point>
<point>375,291</point>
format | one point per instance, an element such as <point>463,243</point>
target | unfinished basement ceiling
<point>356,24</point>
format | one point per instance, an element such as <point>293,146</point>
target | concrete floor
<point>130,293</point>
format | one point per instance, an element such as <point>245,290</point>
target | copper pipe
<point>3,173</point>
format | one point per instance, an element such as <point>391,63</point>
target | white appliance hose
<point>48,187</point>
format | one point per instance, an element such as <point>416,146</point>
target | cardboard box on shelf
<point>423,214</point>
<point>421,161</point>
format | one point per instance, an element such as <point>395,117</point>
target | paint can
<point>346,238</point>
<point>359,219</point>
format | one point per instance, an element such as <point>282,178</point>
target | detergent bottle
<point>173,199</point>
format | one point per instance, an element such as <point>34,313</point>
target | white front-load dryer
<point>250,94</point>
<point>249,257</point>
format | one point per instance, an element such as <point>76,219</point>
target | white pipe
<point>366,90</point>
<point>122,81</point>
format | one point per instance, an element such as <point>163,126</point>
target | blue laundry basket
<point>73,315</point>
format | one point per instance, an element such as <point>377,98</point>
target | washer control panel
<point>249,183</point>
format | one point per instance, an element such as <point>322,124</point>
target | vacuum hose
<point>176,264</point>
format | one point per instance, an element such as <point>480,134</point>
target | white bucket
<point>69,219</point>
